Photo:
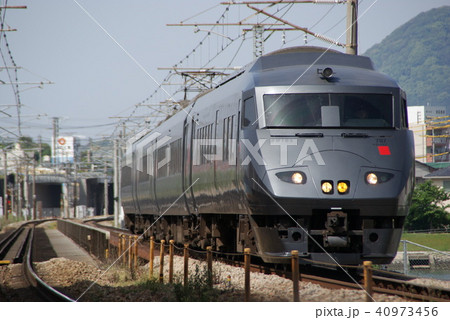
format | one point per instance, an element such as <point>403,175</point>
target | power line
<point>15,86</point>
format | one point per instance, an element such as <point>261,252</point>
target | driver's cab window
<point>249,113</point>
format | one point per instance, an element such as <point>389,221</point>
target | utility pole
<point>5,184</point>
<point>55,136</point>
<point>75,189</point>
<point>34,190</point>
<point>116,183</point>
<point>351,46</point>
<point>19,188</point>
<point>89,154</point>
<point>26,189</point>
<point>105,187</point>
<point>40,148</point>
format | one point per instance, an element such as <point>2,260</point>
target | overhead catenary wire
<point>221,21</point>
<point>167,77</point>
<point>14,84</point>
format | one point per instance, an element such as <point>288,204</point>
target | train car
<point>303,149</point>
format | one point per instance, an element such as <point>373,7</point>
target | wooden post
<point>130,250</point>
<point>247,274</point>
<point>119,246</point>
<point>171,261</point>
<point>368,280</point>
<point>209,262</point>
<point>124,250</point>
<point>186,264</point>
<point>135,252</point>
<point>151,258</point>
<point>161,261</point>
<point>295,277</point>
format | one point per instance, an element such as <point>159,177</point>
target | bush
<point>428,210</point>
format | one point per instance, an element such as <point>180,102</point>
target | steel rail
<point>46,291</point>
<point>8,241</point>
<point>394,285</point>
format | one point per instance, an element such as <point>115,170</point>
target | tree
<point>28,143</point>
<point>416,55</point>
<point>427,208</point>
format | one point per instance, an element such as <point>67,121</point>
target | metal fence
<point>421,261</point>
<point>94,240</point>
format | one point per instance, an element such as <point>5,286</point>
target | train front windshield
<point>328,110</point>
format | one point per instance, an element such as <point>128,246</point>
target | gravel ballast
<point>116,284</point>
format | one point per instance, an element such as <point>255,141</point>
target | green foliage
<point>417,56</point>
<point>198,288</point>
<point>438,241</point>
<point>27,143</point>
<point>427,209</point>
<point>46,149</point>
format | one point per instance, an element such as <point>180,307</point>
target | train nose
<point>338,176</point>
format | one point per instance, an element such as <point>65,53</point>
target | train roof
<point>300,66</point>
<point>308,56</point>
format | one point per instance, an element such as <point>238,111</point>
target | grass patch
<point>438,241</point>
<point>123,286</point>
<point>52,225</point>
<point>11,219</point>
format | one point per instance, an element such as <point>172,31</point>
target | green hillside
<point>417,56</point>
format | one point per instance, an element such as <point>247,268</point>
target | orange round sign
<point>62,141</point>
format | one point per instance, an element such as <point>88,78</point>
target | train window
<point>204,141</point>
<point>175,157</point>
<point>162,166</point>
<point>404,114</point>
<point>249,112</point>
<point>347,110</point>
<point>227,136</point>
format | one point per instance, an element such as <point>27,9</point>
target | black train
<point>303,149</point>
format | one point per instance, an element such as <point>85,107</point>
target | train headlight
<point>343,186</point>
<point>327,187</point>
<point>377,177</point>
<point>297,178</point>
<point>372,178</point>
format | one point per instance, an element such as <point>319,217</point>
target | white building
<point>64,149</point>
<point>430,128</point>
<point>416,122</point>
<point>14,157</point>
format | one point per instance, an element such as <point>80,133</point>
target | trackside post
<point>161,262</point>
<point>171,242</point>
<point>186,264</point>
<point>368,280</point>
<point>247,274</point>
<point>151,258</point>
<point>295,275</point>
<point>209,262</point>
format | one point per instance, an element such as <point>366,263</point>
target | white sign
<point>65,149</point>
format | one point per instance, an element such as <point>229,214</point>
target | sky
<point>98,59</point>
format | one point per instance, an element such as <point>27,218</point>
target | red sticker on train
<point>384,150</point>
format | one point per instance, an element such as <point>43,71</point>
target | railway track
<point>383,282</point>
<point>17,248</point>
<point>391,285</point>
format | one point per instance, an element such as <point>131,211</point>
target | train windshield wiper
<point>354,135</point>
<point>309,135</point>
